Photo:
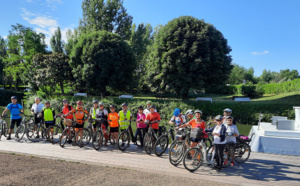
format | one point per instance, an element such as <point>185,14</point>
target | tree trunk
<point>177,93</point>
<point>62,88</point>
<point>185,94</point>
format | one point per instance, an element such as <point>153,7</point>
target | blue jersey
<point>14,110</point>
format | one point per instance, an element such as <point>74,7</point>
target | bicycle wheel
<point>53,133</point>
<point>210,156</point>
<point>176,152</point>
<point>4,129</point>
<point>192,159</point>
<point>33,133</point>
<point>138,141</point>
<point>228,155</point>
<point>64,138</point>
<point>123,140</point>
<point>20,132</point>
<point>82,137</point>
<point>242,153</point>
<point>97,140</point>
<point>148,143</point>
<point>161,145</point>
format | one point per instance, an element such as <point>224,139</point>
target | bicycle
<point>33,131</point>
<point>22,129</point>
<point>99,137</point>
<point>242,150</point>
<point>4,128</point>
<point>54,132</point>
<point>162,142</point>
<point>150,138</point>
<point>85,135</point>
<point>124,136</point>
<point>179,146</point>
<point>68,135</point>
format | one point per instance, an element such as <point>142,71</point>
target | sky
<point>263,34</point>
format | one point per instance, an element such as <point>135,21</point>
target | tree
<point>56,42</point>
<point>188,53</point>
<point>52,69</point>
<point>288,74</point>
<point>102,60</point>
<point>110,16</point>
<point>72,38</point>
<point>238,74</point>
<point>266,76</point>
<point>23,44</point>
<point>2,57</point>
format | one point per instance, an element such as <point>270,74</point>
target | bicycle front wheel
<point>123,140</point>
<point>97,140</point>
<point>4,129</point>
<point>161,145</point>
<point>54,133</point>
<point>176,152</point>
<point>148,143</point>
<point>242,153</point>
<point>20,132</point>
<point>82,137</point>
<point>228,155</point>
<point>64,138</point>
<point>35,133</point>
<point>192,159</point>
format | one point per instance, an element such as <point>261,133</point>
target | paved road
<point>262,169</point>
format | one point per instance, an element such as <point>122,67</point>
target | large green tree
<point>188,53</point>
<point>52,69</point>
<point>239,74</point>
<point>109,15</point>
<point>23,44</point>
<point>3,55</point>
<point>102,60</point>
<point>56,42</point>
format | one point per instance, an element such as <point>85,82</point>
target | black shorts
<point>232,144</point>
<point>15,121</point>
<point>195,140</point>
<point>48,124</point>
<point>114,129</point>
<point>96,124</point>
<point>79,126</point>
<point>37,120</point>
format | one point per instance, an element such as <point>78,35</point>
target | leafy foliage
<point>56,42</point>
<point>238,74</point>
<point>188,53</point>
<point>100,60</point>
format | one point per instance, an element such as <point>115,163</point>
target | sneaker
<point>8,137</point>
<point>69,141</point>
<point>232,163</point>
<point>225,162</point>
<point>37,136</point>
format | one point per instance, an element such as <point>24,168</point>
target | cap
<point>140,107</point>
<point>47,101</point>
<point>95,101</point>
<point>124,104</point>
<point>14,97</point>
<point>148,102</point>
<point>219,117</point>
<point>152,106</point>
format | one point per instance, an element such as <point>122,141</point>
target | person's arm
<point>4,112</point>
<point>236,131</point>
<point>32,109</point>
<point>172,120</point>
<point>71,112</point>
<point>210,130</point>
<point>88,115</point>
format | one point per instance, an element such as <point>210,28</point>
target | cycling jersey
<point>153,117</point>
<point>66,110</point>
<point>14,110</point>
<point>195,124</point>
<point>93,113</point>
<point>140,124</point>
<point>123,125</point>
<point>231,129</point>
<point>79,114</point>
<point>48,114</point>
<point>179,120</point>
<point>114,117</point>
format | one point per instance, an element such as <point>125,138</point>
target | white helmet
<point>189,112</point>
<point>227,110</point>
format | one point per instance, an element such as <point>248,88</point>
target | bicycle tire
<point>230,153</point>
<point>57,133</point>
<point>97,140</point>
<point>20,132</point>
<point>4,129</point>
<point>122,139</point>
<point>210,156</point>
<point>64,138</point>
<point>85,139</point>
<point>192,159</point>
<point>148,143</point>
<point>32,131</point>
<point>176,152</point>
<point>161,145</point>
<point>242,149</point>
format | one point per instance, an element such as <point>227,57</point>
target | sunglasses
<point>79,104</point>
<point>219,120</point>
<point>65,102</point>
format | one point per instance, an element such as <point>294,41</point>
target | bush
<point>276,88</point>
<point>252,91</point>
<point>6,95</point>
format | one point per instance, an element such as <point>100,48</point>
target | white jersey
<point>37,108</point>
<point>231,130</point>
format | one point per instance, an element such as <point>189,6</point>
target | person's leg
<point>104,132</point>
<point>221,155</point>
<point>217,155</point>
<point>11,128</point>
<point>139,132</point>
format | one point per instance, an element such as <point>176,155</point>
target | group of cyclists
<point>225,130</point>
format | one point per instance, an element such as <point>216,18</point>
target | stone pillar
<point>297,117</point>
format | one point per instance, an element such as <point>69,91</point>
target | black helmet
<point>152,106</point>
<point>47,102</point>
<point>112,106</point>
<point>140,107</point>
<point>124,104</point>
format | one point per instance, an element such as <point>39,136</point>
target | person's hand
<point>176,128</point>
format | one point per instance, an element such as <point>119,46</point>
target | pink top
<point>140,124</point>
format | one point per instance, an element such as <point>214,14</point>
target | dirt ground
<point>30,170</point>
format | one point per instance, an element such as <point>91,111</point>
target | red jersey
<point>66,110</point>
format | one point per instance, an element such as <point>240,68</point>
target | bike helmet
<point>176,112</point>
<point>227,110</point>
<point>229,117</point>
<point>79,102</point>
<point>148,102</point>
<point>219,117</point>
<point>198,111</point>
<point>141,107</point>
<point>65,100</point>
<point>14,97</point>
<point>112,106</point>
<point>95,101</point>
<point>124,104</point>
<point>189,112</point>
<point>47,102</point>
<point>152,106</point>
<point>101,103</point>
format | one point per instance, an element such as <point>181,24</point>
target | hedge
<point>6,95</point>
<point>288,86</point>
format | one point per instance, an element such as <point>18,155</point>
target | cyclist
<point>195,123</point>
<point>93,111</point>
<point>227,112</point>
<point>153,116</point>
<point>79,113</point>
<point>141,126</point>
<point>218,133</point>
<point>48,114</point>
<point>15,114</point>
<point>64,111</point>
<point>147,110</point>
<point>177,119</point>
<point>103,114</point>
<point>189,114</point>
<point>113,118</point>
<point>232,132</point>
<point>124,115</point>
<point>37,109</point>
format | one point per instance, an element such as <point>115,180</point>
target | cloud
<point>4,37</point>
<point>260,53</point>
<point>43,22</point>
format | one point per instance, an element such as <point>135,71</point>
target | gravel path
<point>31,170</point>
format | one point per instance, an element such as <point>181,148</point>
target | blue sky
<point>263,34</point>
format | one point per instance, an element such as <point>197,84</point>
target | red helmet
<point>79,102</point>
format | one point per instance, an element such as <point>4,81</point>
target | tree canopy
<point>188,53</point>
<point>56,42</point>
